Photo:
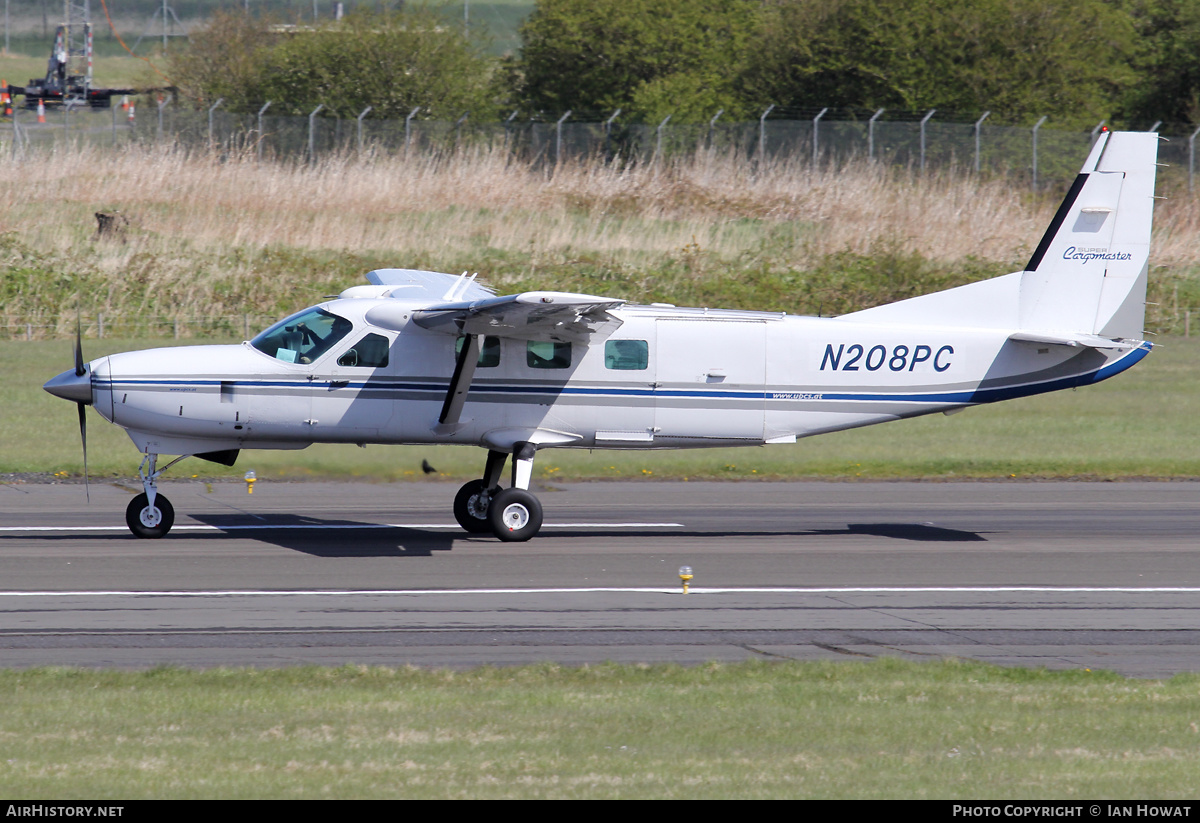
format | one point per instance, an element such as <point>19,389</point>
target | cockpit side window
<point>303,337</point>
<point>371,353</point>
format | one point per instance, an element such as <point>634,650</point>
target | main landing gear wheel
<point>515,515</point>
<point>471,507</point>
<point>147,522</point>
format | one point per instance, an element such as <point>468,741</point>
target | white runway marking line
<point>331,527</point>
<point>626,590</point>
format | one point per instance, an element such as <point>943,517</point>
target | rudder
<point>1088,273</point>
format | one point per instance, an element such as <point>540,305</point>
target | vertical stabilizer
<point>1088,274</point>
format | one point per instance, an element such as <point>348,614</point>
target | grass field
<point>1143,423</point>
<point>886,729</point>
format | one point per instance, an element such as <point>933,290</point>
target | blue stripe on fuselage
<point>972,396</point>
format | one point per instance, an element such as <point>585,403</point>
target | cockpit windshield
<point>303,337</point>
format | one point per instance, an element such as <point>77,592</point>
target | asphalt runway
<point>1055,574</point>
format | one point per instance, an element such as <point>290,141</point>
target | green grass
<point>885,729</point>
<point>107,72</point>
<point>1142,423</point>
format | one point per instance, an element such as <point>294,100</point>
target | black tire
<point>515,515</point>
<point>139,505</point>
<point>471,509</point>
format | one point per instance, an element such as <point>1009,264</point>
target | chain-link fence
<point>119,326</point>
<point>1039,157</point>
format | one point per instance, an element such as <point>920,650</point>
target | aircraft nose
<point>70,386</point>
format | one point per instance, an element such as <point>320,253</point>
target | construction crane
<point>68,80</point>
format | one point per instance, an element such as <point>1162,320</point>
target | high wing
<point>561,317</point>
<point>417,284</point>
<point>535,315</point>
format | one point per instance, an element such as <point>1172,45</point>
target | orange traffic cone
<point>41,112</point>
<point>125,102</point>
<point>5,98</point>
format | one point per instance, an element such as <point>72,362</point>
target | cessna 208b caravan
<point>425,357</point>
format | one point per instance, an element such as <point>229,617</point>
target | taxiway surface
<point>1099,575</point>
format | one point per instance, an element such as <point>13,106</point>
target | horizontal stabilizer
<point>1088,341</point>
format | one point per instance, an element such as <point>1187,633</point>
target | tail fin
<point>1088,274</point>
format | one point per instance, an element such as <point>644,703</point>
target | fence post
<point>1191,157</point>
<point>408,127</point>
<point>871,134</point>
<point>100,326</point>
<point>712,125</point>
<point>458,129</point>
<point>360,117</point>
<point>220,100</point>
<point>262,135</point>
<point>312,133</point>
<point>978,133</point>
<point>762,132</point>
<point>508,126</point>
<point>658,138</point>
<point>558,138</point>
<point>1036,126</point>
<point>816,128</point>
<point>924,120</point>
<point>162,104</point>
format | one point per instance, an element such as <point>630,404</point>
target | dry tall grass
<point>462,210</point>
<point>388,203</point>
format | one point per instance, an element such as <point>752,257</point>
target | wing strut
<point>464,371</point>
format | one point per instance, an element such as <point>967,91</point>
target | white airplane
<point>425,357</point>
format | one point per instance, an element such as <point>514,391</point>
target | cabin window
<point>303,337</point>
<point>546,354</point>
<point>369,353</point>
<point>626,355</point>
<point>489,352</point>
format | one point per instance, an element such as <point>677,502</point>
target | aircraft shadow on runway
<point>923,532</point>
<point>320,540</point>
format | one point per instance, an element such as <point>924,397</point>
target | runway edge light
<point>250,478</point>
<point>685,576</point>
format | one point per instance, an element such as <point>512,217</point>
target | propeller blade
<point>80,369</point>
<point>83,437</point>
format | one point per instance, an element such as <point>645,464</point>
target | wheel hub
<point>515,516</point>
<point>478,505</point>
<point>150,517</point>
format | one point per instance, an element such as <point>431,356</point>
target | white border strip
<point>620,590</point>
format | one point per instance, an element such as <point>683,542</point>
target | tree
<point>393,62</point>
<point>1170,62</point>
<point>225,59</point>
<point>1018,58</point>
<point>648,57</point>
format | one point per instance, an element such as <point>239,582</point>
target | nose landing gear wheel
<point>147,522</point>
<point>515,515</point>
<point>471,507</point>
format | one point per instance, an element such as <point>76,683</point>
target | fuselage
<point>665,378</point>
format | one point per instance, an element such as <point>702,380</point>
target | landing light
<point>685,576</point>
